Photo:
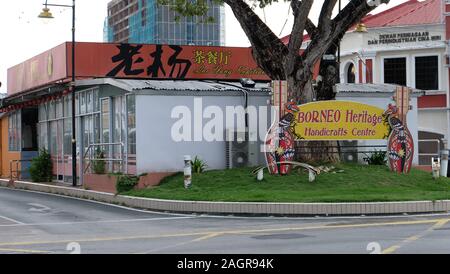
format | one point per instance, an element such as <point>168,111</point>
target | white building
<point>405,45</point>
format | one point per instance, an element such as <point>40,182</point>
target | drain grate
<point>288,236</point>
<point>442,228</point>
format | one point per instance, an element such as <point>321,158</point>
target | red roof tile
<point>412,12</point>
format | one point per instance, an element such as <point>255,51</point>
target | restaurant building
<point>143,106</point>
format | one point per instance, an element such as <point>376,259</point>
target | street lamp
<point>46,14</point>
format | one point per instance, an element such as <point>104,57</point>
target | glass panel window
<point>105,120</point>
<point>96,128</point>
<point>14,131</point>
<point>89,102</point>
<point>67,136</point>
<point>96,104</point>
<point>59,109</point>
<point>395,71</point>
<point>117,119</point>
<point>51,110</point>
<point>77,104</point>
<point>427,73</point>
<point>83,103</point>
<point>53,138</point>
<point>131,121</point>
<point>68,106</point>
<point>43,141</point>
<point>43,112</point>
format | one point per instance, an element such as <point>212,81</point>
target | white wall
<point>158,152</point>
<point>433,120</point>
<point>382,102</point>
<point>355,46</point>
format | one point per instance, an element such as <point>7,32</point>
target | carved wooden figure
<point>400,143</point>
<point>280,142</point>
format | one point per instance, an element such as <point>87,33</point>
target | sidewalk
<point>240,208</point>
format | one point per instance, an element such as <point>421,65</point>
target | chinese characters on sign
<point>126,60</point>
<point>212,61</point>
<point>182,63</point>
<point>135,61</point>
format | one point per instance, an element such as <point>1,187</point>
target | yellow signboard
<point>340,120</point>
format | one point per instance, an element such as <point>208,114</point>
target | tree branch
<point>310,28</point>
<point>327,11</point>
<point>349,16</point>
<point>309,25</point>
<point>301,11</point>
<point>268,50</point>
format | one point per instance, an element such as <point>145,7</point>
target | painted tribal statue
<point>280,142</point>
<point>400,144</point>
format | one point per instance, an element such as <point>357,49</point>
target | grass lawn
<point>356,183</point>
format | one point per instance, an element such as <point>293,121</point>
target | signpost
<point>342,120</point>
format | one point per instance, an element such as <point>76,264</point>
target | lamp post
<point>339,45</point>
<point>46,14</point>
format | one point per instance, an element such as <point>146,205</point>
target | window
<point>131,109</point>
<point>53,149</point>
<point>427,73</point>
<point>351,74</point>
<point>67,142</point>
<point>43,135</point>
<point>55,122</point>
<point>51,110</point>
<point>395,71</point>
<point>14,131</point>
<point>105,120</point>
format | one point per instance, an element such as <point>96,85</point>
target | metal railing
<point>14,174</point>
<point>90,156</point>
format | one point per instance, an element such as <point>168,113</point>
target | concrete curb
<point>239,208</point>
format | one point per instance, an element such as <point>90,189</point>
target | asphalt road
<point>40,223</point>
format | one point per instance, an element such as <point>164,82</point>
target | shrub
<point>126,183</point>
<point>376,158</point>
<point>41,168</point>
<point>99,166</point>
<point>198,165</point>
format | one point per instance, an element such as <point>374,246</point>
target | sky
<point>23,35</point>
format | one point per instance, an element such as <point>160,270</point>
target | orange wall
<point>6,156</point>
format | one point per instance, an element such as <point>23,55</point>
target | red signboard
<point>138,62</point>
<point>42,69</point>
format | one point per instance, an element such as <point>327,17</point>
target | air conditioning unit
<point>349,151</point>
<point>239,150</point>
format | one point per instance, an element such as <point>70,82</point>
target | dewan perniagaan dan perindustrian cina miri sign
<point>340,120</point>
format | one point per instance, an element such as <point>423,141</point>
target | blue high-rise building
<point>146,22</point>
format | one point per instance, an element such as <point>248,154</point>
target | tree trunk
<point>322,151</point>
<point>329,76</point>
<point>300,91</point>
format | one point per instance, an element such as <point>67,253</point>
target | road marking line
<point>97,202</point>
<point>38,208</point>
<point>12,220</point>
<point>207,237</point>
<point>438,224</point>
<point>24,250</point>
<point>203,238</point>
<point>282,229</point>
<point>231,217</point>
<point>100,222</point>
